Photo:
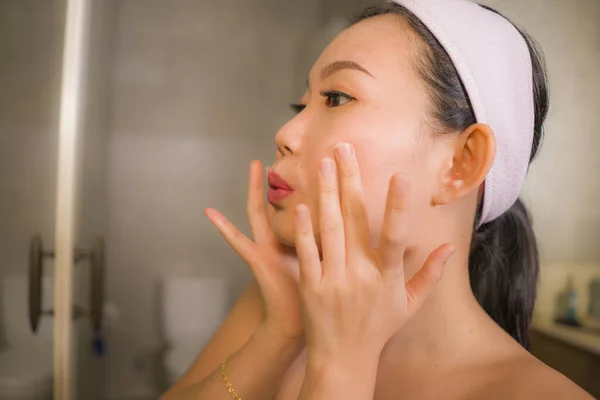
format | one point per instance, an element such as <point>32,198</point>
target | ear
<point>473,154</point>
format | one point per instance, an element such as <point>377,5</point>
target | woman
<point>395,260</point>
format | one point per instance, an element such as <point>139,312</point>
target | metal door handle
<point>97,284</point>
<point>36,272</point>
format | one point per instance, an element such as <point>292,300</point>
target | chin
<point>282,224</point>
<point>285,240</point>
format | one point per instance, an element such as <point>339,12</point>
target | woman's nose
<point>289,139</point>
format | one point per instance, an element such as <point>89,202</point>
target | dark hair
<point>503,262</point>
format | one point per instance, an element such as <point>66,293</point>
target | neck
<point>450,328</point>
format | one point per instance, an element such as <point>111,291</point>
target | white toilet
<point>25,358</point>
<point>193,308</point>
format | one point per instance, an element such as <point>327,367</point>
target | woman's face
<point>363,90</point>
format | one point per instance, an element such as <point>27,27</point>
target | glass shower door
<point>54,64</point>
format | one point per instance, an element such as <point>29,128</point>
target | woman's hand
<point>357,298</point>
<point>274,266</point>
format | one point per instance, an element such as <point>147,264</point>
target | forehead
<point>384,45</point>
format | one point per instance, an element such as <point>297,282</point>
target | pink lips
<point>279,189</point>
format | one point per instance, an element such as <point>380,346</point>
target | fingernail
<point>327,167</point>
<point>343,150</point>
<point>213,214</point>
<point>450,251</point>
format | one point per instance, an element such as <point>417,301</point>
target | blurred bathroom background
<point>180,95</point>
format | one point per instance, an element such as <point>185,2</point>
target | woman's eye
<point>336,99</point>
<point>297,108</point>
<point>333,99</point>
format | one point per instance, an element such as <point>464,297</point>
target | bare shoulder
<point>526,377</point>
<point>241,322</point>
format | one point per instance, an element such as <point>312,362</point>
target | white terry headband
<point>494,64</point>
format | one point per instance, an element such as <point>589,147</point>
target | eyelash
<point>298,108</point>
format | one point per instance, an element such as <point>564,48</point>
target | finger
<point>356,226</point>
<point>421,285</point>
<point>261,230</point>
<point>331,224</point>
<point>236,239</point>
<point>395,227</point>
<point>306,247</point>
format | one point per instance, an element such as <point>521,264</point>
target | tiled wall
<point>199,90</point>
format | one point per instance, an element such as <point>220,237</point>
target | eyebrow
<point>337,66</point>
